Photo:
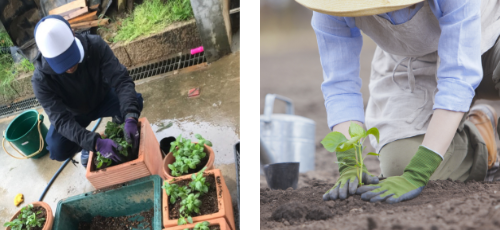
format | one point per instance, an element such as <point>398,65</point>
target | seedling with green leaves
<point>102,160</point>
<point>189,206</point>
<point>198,182</point>
<point>26,219</point>
<point>175,191</point>
<point>202,226</point>
<point>337,142</point>
<point>115,132</point>
<point>188,155</point>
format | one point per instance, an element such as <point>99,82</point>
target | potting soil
<point>441,205</point>
<point>141,220</point>
<point>209,203</point>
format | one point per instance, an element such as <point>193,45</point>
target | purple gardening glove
<point>108,149</point>
<point>131,133</point>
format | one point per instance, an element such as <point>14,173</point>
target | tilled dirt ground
<point>442,205</point>
<point>290,66</point>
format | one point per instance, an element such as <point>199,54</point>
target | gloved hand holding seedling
<point>352,169</point>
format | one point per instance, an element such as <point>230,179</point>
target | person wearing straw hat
<point>78,79</point>
<point>433,59</point>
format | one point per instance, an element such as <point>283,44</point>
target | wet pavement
<point>214,114</point>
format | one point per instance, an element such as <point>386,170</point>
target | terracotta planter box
<point>223,197</point>
<point>49,219</point>
<point>220,221</point>
<point>169,159</point>
<point>148,162</point>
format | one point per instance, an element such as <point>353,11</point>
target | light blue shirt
<point>459,49</point>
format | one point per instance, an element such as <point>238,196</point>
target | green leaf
<point>198,136</point>
<point>207,142</point>
<point>190,219</point>
<point>356,130</point>
<point>373,131</point>
<point>348,144</point>
<point>333,140</point>
<point>372,154</point>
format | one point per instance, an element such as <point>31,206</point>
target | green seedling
<point>115,132</point>
<point>187,154</point>
<point>189,206</point>
<point>198,182</point>
<point>26,219</point>
<point>337,142</point>
<point>202,226</point>
<point>102,160</point>
<point>175,191</point>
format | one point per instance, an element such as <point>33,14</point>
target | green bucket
<point>24,133</point>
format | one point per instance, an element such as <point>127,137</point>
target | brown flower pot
<point>49,219</point>
<point>219,221</point>
<point>223,198</point>
<point>169,159</point>
<point>148,162</point>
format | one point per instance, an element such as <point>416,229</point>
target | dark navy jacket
<point>65,96</point>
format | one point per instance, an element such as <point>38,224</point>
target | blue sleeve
<point>339,43</point>
<point>460,71</point>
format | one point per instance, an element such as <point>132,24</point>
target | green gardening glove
<point>348,179</point>
<point>407,186</point>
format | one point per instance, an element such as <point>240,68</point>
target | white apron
<point>403,78</point>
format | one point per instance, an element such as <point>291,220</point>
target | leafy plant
<point>198,182</point>
<point>25,66</point>
<point>102,160</point>
<point>189,205</point>
<point>27,219</point>
<point>115,132</point>
<point>187,154</point>
<point>337,142</point>
<point>175,191</point>
<point>202,226</point>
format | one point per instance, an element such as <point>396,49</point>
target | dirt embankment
<point>442,205</point>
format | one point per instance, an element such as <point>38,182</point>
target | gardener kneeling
<point>77,80</point>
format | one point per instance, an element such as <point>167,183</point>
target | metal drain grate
<point>165,66</point>
<point>176,63</point>
<point>19,106</point>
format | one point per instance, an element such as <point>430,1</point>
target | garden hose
<point>64,165</point>
<point>23,156</point>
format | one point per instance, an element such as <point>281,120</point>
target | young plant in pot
<point>198,197</point>
<point>190,157</point>
<point>115,132</point>
<point>34,216</point>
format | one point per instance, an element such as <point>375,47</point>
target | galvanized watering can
<point>289,138</point>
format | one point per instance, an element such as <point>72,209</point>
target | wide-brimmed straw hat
<point>356,8</point>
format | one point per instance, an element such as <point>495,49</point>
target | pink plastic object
<point>197,50</point>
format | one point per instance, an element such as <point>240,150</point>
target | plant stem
<point>361,163</point>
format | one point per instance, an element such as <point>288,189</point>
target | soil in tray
<point>43,214</point>
<point>142,220</point>
<point>442,205</point>
<point>209,203</point>
<point>131,156</point>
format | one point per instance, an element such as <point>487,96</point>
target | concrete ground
<point>214,114</point>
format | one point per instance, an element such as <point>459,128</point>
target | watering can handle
<point>269,105</point>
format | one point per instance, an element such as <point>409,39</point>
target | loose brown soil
<point>442,205</point>
<point>119,223</point>
<point>209,203</point>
